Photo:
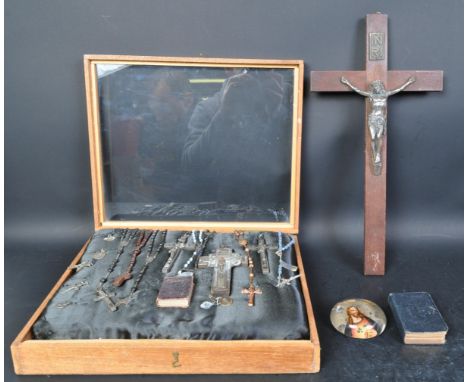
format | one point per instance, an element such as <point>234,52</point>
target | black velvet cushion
<point>279,313</point>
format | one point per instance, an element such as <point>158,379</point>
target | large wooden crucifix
<point>376,84</point>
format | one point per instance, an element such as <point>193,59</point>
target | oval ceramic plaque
<point>358,318</point>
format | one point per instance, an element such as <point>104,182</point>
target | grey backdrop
<point>48,210</point>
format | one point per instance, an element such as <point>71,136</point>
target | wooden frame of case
<point>157,356</point>
<point>95,142</point>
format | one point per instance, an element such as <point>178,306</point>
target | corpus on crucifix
<point>376,78</point>
<point>377,118</point>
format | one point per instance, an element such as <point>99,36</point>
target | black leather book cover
<point>416,312</point>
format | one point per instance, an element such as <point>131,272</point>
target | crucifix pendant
<point>102,295</point>
<point>252,290</point>
<point>175,249</point>
<point>120,280</point>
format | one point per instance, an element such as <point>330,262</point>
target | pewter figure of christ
<point>377,118</point>
<point>223,260</point>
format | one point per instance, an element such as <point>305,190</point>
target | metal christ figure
<point>376,68</point>
<point>377,118</point>
<point>223,260</point>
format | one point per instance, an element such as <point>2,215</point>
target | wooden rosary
<point>120,280</point>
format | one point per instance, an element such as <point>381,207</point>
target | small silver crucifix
<point>80,266</point>
<point>102,295</point>
<point>77,286</point>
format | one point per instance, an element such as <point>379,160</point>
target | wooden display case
<point>161,356</point>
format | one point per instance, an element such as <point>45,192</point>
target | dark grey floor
<point>333,273</point>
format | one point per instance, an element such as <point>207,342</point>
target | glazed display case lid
<point>195,143</point>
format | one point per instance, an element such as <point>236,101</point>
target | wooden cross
<point>375,182</point>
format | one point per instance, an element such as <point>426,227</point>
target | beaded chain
<point>281,249</point>
<point>149,258</point>
<point>123,243</point>
<point>200,246</point>
<point>127,275</point>
<point>280,280</point>
<point>101,293</point>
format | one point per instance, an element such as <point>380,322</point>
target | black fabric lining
<point>279,313</point>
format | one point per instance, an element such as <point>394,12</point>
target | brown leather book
<point>176,291</point>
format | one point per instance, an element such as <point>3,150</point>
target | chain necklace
<point>280,281</point>
<point>96,256</point>
<point>84,264</point>
<point>127,275</point>
<point>251,290</point>
<point>150,257</point>
<point>200,247</point>
<point>100,291</point>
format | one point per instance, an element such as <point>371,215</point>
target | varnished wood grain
<point>426,80</point>
<point>296,151</point>
<point>197,225</point>
<point>100,219</point>
<point>107,356</point>
<point>310,314</point>
<point>143,356</point>
<point>375,186</point>
<point>164,357</point>
<point>329,80</point>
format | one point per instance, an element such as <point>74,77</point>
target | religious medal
<point>109,237</point>
<point>215,301</point>
<point>87,264</point>
<point>100,254</point>
<point>358,318</point>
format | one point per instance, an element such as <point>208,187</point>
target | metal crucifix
<point>372,84</point>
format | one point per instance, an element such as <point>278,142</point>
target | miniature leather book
<point>418,318</point>
<point>175,292</point>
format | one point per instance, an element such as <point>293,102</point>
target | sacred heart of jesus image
<point>358,318</point>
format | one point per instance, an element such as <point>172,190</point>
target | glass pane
<point>196,143</point>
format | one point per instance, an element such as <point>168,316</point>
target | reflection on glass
<point>196,143</point>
